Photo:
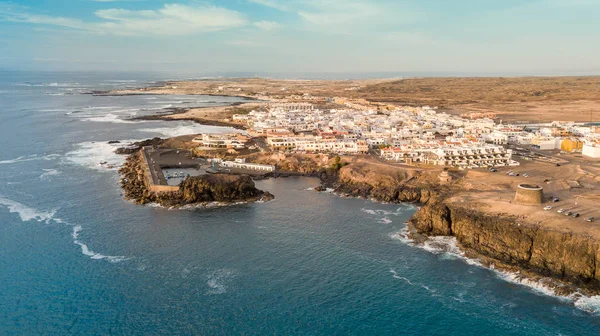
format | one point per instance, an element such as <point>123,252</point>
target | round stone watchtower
<point>529,194</point>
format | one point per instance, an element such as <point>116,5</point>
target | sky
<point>529,37</point>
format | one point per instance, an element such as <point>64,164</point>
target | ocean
<point>77,259</point>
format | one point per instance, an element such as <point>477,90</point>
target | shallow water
<point>77,259</point>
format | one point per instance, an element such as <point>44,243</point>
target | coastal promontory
<point>194,190</point>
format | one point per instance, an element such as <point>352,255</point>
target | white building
<point>242,164</point>
<point>591,150</point>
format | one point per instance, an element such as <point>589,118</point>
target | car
<point>589,219</point>
<point>555,199</point>
<point>525,175</point>
<point>575,215</point>
<point>511,174</point>
<point>568,213</point>
<point>548,208</point>
<point>561,210</point>
<point>558,164</point>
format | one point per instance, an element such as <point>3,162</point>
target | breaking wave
<point>186,129</point>
<point>109,118</point>
<point>49,172</point>
<point>97,155</point>
<point>447,247</point>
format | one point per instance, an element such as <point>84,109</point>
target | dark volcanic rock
<point>136,146</point>
<point>194,190</point>
<point>220,188</point>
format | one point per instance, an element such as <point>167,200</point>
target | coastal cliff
<point>512,243</point>
<point>194,190</point>
<point>564,260</point>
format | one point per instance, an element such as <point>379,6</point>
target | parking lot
<point>576,184</point>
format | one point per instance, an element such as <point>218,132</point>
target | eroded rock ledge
<point>564,260</point>
<point>510,243</point>
<point>194,190</point>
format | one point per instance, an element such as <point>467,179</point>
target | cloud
<point>170,20</point>
<point>272,4</point>
<point>339,15</point>
<point>243,43</point>
<point>266,25</point>
<point>117,0</point>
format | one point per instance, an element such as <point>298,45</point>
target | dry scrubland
<point>513,99</point>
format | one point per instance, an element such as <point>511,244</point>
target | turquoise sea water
<point>75,258</point>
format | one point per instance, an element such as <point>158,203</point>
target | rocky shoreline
<point>566,262</point>
<point>198,190</point>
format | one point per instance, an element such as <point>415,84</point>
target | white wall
<point>593,152</point>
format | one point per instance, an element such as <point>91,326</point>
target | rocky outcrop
<point>220,188</point>
<point>136,146</point>
<point>194,190</point>
<point>306,164</point>
<point>505,241</point>
<point>365,181</point>
<point>509,242</point>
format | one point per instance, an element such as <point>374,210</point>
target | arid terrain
<point>514,99</point>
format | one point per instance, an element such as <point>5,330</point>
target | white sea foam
<point>403,236</point>
<point>76,230</point>
<point>33,157</point>
<point>447,247</point>
<point>97,256</point>
<point>27,213</point>
<point>168,102</point>
<point>49,172</point>
<point>94,108</point>
<point>396,276</point>
<point>590,304</point>
<point>398,211</point>
<point>92,154</point>
<point>188,128</point>
<point>108,118</point>
<point>385,220</point>
<point>217,281</point>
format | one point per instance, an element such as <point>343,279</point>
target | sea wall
<point>222,188</point>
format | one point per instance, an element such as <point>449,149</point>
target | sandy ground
<point>577,184</point>
<point>214,112</point>
<point>512,99</point>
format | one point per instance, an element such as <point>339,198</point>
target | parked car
<point>558,164</point>
<point>526,175</point>
<point>548,208</point>
<point>561,210</point>
<point>589,219</point>
<point>555,199</point>
<point>575,215</point>
<point>568,213</point>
